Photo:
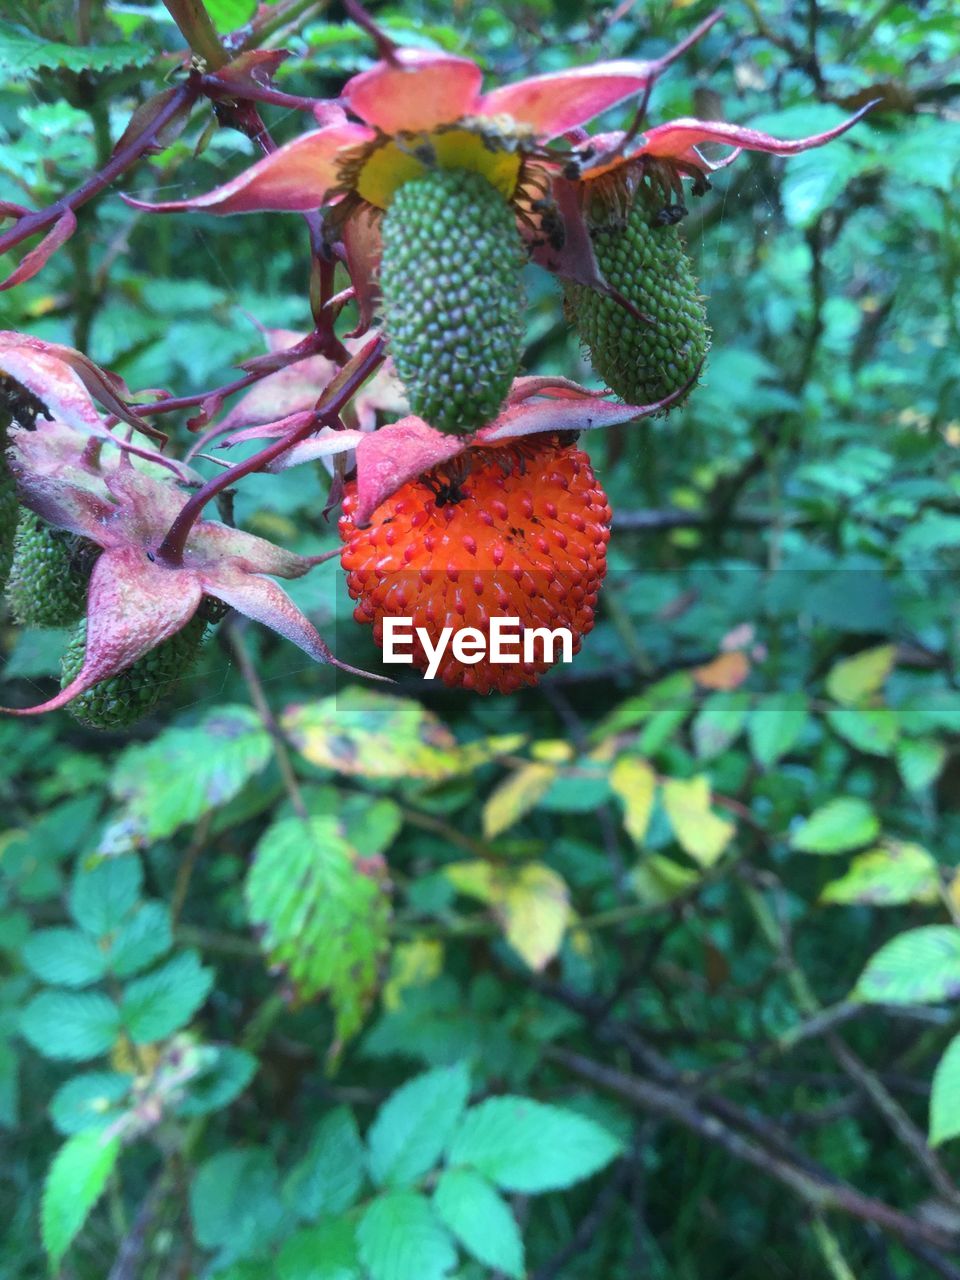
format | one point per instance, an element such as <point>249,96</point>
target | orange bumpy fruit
<point>520,533</point>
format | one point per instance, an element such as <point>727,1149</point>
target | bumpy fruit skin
<point>125,698</point>
<point>9,513</point>
<point>649,265</point>
<point>527,539</point>
<point>48,580</point>
<point>453,296</point>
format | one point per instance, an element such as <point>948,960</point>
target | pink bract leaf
<point>677,139</point>
<point>325,444</point>
<point>37,258</point>
<point>388,458</point>
<point>133,605</point>
<point>562,100</point>
<point>294,179</point>
<point>417,91</point>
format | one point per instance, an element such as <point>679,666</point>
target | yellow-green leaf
<point>698,830</point>
<point>516,796</point>
<point>857,678</point>
<point>635,783</point>
<point>412,964</point>
<point>531,902</point>
<point>658,880</point>
<point>886,877</point>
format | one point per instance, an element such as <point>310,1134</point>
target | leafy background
<point>651,971</point>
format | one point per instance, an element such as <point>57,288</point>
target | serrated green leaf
<point>89,1101</point>
<point>859,677</point>
<point>527,1146</point>
<point>480,1220</point>
<point>143,940</point>
<point>401,1238</point>
<point>838,826</point>
<point>775,726</point>
<point>921,966</point>
<point>157,1005</point>
<point>873,730</point>
<point>224,1077</point>
<point>324,1252</point>
<point>886,877</point>
<point>235,1203</point>
<point>103,895</point>
<point>183,774</point>
<point>328,1178</point>
<point>945,1096</point>
<point>64,957</point>
<point>321,914</point>
<point>74,1184</point>
<point>22,55</point>
<point>70,1026</point>
<point>413,1126</point>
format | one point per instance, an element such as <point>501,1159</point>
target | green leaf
<point>23,55</point>
<point>329,1177</point>
<point>480,1220</point>
<point>102,896</point>
<point>71,1027</point>
<point>401,1238</point>
<point>225,1075</point>
<point>775,726</point>
<point>74,1184</point>
<point>89,1101</point>
<point>945,1096</point>
<point>413,1126</point>
<point>322,914</point>
<point>143,940</point>
<point>857,678</point>
<point>155,1006</point>
<point>719,723</point>
<point>838,826</point>
<point>235,1203</point>
<point>325,1252</point>
<point>64,957</point>
<point>920,761</point>
<point>183,774</point>
<point>227,15</point>
<point>921,966</point>
<point>9,1085</point>
<point>887,877</point>
<point>873,730</point>
<point>529,1146</point>
<point>657,879</point>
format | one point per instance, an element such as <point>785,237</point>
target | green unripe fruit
<point>648,264</point>
<point>453,296</point>
<point>123,699</point>
<point>48,580</point>
<point>9,513</point>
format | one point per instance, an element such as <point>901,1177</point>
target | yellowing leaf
<point>378,735</point>
<point>515,796</point>
<point>535,913</point>
<point>531,902</point>
<point>657,879</point>
<point>888,876</point>
<point>635,783</point>
<point>726,671</point>
<point>856,678</point>
<point>552,751</point>
<point>412,964</point>
<point>698,830</point>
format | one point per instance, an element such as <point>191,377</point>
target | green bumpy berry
<point>123,699</point>
<point>648,264</point>
<point>9,514</point>
<point>453,296</point>
<point>48,580</point>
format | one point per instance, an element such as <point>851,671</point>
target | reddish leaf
<point>37,258</point>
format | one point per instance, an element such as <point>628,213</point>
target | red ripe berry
<point>521,534</point>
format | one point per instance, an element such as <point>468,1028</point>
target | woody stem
<point>326,413</point>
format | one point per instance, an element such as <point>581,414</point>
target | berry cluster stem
<point>326,413</point>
